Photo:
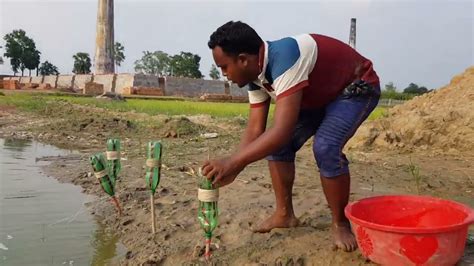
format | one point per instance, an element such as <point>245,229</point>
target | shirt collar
<point>263,61</point>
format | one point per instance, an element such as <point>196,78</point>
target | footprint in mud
<point>278,234</point>
<point>164,192</point>
<point>265,185</point>
<point>321,223</point>
<point>255,178</point>
<point>288,261</point>
<point>246,225</point>
<point>152,260</point>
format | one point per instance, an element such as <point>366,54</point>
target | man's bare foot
<point>277,221</point>
<point>343,237</point>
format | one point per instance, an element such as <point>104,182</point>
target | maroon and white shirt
<point>321,66</point>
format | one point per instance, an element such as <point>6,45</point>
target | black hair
<point>235,38</point>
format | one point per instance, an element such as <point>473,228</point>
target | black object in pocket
<point>358,88</point>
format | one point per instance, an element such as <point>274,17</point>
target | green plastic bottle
<point>107,181</point>
<point>153,165</point>
<point>207,213</point>
<point>113,157</point>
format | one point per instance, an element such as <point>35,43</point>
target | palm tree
<point>1,58</point>
<point>119,56</point>
<point>82,63</point>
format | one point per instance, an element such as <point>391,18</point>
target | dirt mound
<point>440,120</point>
<point>180,126</point>
<point>71,118</point>
<point>107,124</point>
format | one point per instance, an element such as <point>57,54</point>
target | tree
<point>155,63</point>
<point>414,89</point>
<point>82,63</point>
<point>389,87</point>
<point>160,63</point>
<point>14,42</point>
<point>186,65</point>
<point>31,60</point>
<point>422,90</point>
<point>22,51</point>
<point>214,73</point>
<point>1,58</point>
<point>119,56</point>
<point>47,68</point>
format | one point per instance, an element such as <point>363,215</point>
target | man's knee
<point>330,159</point>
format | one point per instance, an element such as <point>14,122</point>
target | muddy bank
<point>243,204</point>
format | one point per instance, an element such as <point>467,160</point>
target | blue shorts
<point>331,126</point>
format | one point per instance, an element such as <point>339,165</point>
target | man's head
<point>235,48</point>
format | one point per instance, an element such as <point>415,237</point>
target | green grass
<point>36,102</point>
<point>415,172</point>
<point>377,113</point>
<point>23,101</point>
<point>167,107</point>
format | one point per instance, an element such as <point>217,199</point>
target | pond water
<point>42,221</point>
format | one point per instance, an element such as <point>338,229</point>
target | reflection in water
<point>104,244</point>
<point>16,144</point>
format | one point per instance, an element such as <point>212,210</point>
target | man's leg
<point>343,117</point>
<point>337,190</point>
<point>283,176</point>
<point>282,171</point>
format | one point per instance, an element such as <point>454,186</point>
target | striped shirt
<point>319,65</point>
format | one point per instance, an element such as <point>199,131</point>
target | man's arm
<point>285,118</point>
<point>286,115</point>
<point>256,124</point>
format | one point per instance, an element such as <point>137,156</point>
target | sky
<point>426,42</point>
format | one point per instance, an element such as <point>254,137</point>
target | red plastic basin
<point>410,230</point>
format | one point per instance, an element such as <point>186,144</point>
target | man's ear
<point>243,59</point>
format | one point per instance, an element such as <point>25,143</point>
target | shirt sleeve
<point>257,95</point>
<point>294,77</point>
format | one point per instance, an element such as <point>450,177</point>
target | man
<point>322,88</point>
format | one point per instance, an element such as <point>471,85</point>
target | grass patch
<point>23,101</point>
<point>35,102</point>
<point>167,107</point>
<point>377,113</point>
<point>415,173</point>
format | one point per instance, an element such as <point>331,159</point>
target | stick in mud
<point>117,205</point>
<point>152,206</point>
<point>207,254</point>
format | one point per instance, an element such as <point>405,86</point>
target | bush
<point>396,95</point>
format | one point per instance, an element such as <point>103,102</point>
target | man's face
<point>236,68</point>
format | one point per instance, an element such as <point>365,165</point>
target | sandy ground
<point>243,204</point>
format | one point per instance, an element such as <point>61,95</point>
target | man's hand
<point>224,170</point>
